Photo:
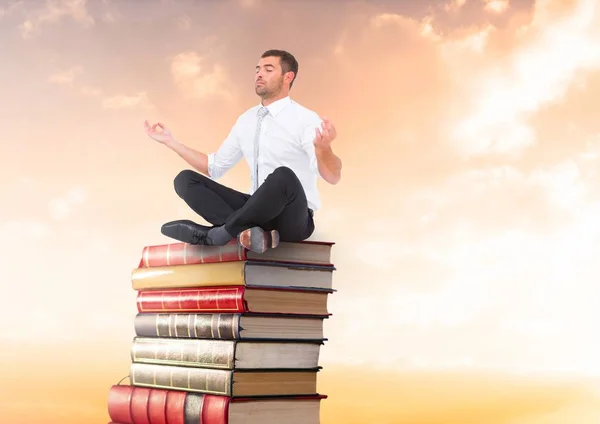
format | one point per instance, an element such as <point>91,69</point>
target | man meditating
<point>287,147</point>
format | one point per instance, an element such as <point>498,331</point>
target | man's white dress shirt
<point>286,139</point>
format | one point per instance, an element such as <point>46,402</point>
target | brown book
<point>233,383</point>
<point>228,326</point>
<point>240,273</point>
<point>226,354</point>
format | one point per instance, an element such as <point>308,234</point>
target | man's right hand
<point>158,132</point>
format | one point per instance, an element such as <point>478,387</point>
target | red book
<point>141,405</point>
<point>304,252</point>
<point>234,299</point>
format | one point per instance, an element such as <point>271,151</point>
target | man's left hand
<point>324,135</point>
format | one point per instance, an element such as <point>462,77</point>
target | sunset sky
<point>466,223</point>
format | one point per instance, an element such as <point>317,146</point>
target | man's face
<point>268,80</point>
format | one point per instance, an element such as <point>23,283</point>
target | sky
<point>465,221</point>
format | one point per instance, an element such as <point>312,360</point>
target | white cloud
<point>121,101</point>
<point>29,327</point>
<point>454,5</point>
<point>60,208</point>
<point>127,101</point>
<point>90,91</point>
<point>248,4</point>
<point>184,23</point>
<point>196,78</point>
<point>496,6</point>
<point>66,77</point>
<point>537,72</point>
<point>457,285</point>
<point>52,12</point>
<point>111,17</point>
<point>423,28</point>
<point>13,231</point>
<point>8,10</point>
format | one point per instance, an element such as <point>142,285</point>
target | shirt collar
<point>278,106</point>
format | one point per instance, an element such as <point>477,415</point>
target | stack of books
<point>226,336</point>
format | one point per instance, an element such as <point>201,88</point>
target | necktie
<point>261,114</point>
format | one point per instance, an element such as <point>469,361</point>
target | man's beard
<point>265,93</point>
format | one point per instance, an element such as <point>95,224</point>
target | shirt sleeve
<point>308,141</point>
<point>228,154</point>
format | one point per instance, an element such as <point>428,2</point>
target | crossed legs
<point>278,210</point>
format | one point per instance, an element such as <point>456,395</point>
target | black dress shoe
<point>186,231</point>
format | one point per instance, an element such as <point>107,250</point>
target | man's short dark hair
<point>288,61</point>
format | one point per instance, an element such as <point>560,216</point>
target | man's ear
<point>289,77</point>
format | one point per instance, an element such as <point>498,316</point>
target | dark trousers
<point>278,204</point>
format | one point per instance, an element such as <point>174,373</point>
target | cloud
<point>496,6</point>
<point>502,259</point>
<point>52,12</point>
<point>537,71</point>
<point>127,101</point>
<point>422,27</point>
<point>62,207</point>
<point>489,80</point>
<point>184,23</point>
<point>66,77</point>
<point>90,91</point>
<point>111,17</point>
<point>8,10</point>
<point>23,230</point>
<point>454,5</point>
<point>197,79</point>
<point>117,102</point>
<point>248,4</point>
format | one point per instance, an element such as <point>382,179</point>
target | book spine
<point>157,405</point>
<point>186,254</point>
<point>215,410</point>
<point>207,300</point>
<point>196,326</point>
<point>119,404</point>
<point>198,380</point>
<point>174,411</point>
<point>137,405</point>
<point>222,274</point>
<point>216,354</point>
